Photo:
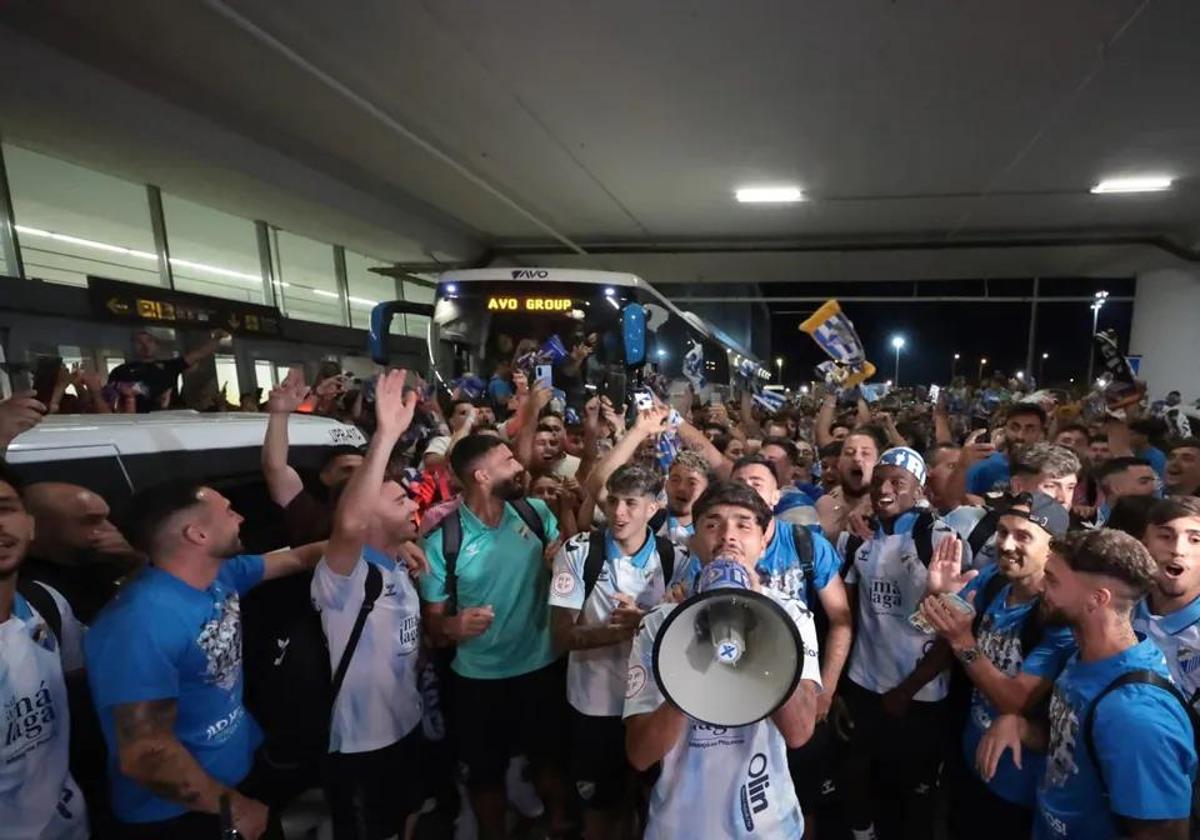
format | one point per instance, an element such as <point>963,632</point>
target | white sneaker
<point>521,793</point>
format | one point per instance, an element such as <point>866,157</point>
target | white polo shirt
<point>1178,636</point>
<point>720,782</point>
<point>379,702</point>
<point>38,798</point>
<point>596,677</point>
<point>891,579</point>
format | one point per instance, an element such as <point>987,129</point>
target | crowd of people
<point>997,594</point>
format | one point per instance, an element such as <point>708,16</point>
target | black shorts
<point>497,719</point>
<point>814,769</point>
<point>598,765</point>
<point>372,793</point>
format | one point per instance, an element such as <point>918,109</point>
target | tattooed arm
<point>152,756</point>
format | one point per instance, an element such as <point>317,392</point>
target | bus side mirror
<point>633,330</point>
<point>381,324</point>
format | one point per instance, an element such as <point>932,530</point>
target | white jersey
<point>1178,637</point>
<point>38,798</point>
<point>379,702</point>
<point>596,677</point>
<point>676,531</point>
<point>720,782</point>
<point>891,576</point>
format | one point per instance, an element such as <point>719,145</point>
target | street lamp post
<point>897,344</point>
<point>982,364</point>
<point>1098,302</point>
<point>954,367</point>
<point>779,368</point>
<point>1042,370</point>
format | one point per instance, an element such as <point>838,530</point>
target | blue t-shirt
<point>986,474</point>
<point>160,639</point>
<point>1143,741</point>
<point>1157,459</point>
<point>500,390</point>
<point>999,639</point>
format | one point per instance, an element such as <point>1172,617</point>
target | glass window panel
<point>111,363</point>
<point>264,375</point>
<point>309,282</point>
<point>212,253</point>
<point>368,288</point>
<point>227,378</point>
<point>73,222</point>
<point>417,326</point>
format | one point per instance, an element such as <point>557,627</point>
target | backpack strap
<point>666,558</point>
<point>40,599</point>
<point>593,563</point>
<point>984,600</point>
<point>530,517</point>
<point>922,534</point>
<point>802,540</point>
<point>371,589</point>
<point>658,520</point>
<point>451,528</point>
<point>1142,676</point>
<point>853,544</point>
<point>983,530</point>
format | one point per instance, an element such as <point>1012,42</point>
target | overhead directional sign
<point>115,300</point>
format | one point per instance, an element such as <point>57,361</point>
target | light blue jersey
<point>1178,636</point>
<point>1143,741</point>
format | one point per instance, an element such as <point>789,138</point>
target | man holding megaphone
<point>721,686</point>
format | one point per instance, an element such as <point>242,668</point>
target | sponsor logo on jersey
<point>222,729</point>
<point>1189,659</point>
<point>754,792</point>
<point>29,722</point>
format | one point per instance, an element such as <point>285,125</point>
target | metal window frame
<point>10,245</point>
<point>343,283</point>
<point>158,225</point>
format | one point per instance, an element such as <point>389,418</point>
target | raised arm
<point>538,399</point>
<point>648,423</point>
<point>695,439</point>
<point>941,422</point>
<point>283,482</point>
<point>973,451</point>
<point>352,520</point>
<point>19,413</point>
<point>151,755</point>
<point>823,427</point>
<point>1120,445</point>
<point>292,561</point>
<point>206,349</point>
<point>649,737</point>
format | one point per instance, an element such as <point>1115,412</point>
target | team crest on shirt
<point>1189,660</point>
<point>44,637</point>
<point>564,584</point>
<point>635,682</point>
<point>586,790</point>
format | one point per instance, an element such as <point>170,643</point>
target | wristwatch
<point>967,655</point>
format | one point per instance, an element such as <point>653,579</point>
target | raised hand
<point>1004,734</point>
<point>945,569</point>
<point>289,394</point>
<point>626,614</point>
<point>471,622</point>
<point>973,450</point>
<point>19,413</point>
<point>652,421</point>
<point>394,406</point>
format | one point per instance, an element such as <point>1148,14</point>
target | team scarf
<point>771,401</point>
<point>1122,389</point>
<point>835,334</point>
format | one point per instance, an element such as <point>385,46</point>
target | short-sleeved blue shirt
<point>1143,741</point>
<point>999,639</point>
<point>160,639</point>
<point>985,475</point>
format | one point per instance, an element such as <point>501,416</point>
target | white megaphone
<point>728,656</point>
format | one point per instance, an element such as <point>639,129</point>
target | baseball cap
<point>1044,512</point>
<point>906,459</point>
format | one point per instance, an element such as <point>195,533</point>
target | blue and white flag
<point>771,401</point>
<point>835,334</point>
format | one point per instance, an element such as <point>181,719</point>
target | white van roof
<point>65,437</point>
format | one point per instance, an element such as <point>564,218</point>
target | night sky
<point>934,332</point>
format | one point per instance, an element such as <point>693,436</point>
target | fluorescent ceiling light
<point>1144,183</point>
<point>769,195</point>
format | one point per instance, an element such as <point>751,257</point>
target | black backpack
<point>40,599</point>
<point>291,686</point>
<point>1145,677</point>
<point>594,561</point>
<point>451,528</point>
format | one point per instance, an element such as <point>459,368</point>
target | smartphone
<point>935,391</point>
<point>543,374</point>
<point>613,388</point>
<point>951,600</point>
<point>978,422</point>
<point>45,376</point>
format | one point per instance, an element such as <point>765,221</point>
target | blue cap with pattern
<point>906,459</point>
